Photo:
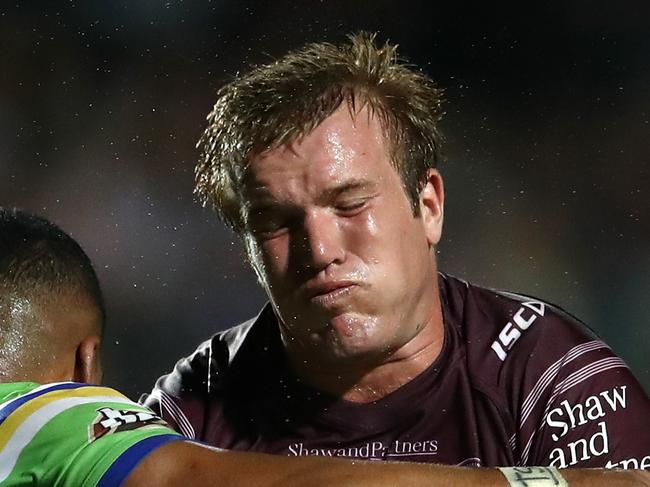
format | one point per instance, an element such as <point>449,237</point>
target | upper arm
<point>577,403</point>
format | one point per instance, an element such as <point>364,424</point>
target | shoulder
<point>514,341</point>
<point>539,365</point>
<point>502,329</point>
<point>70,404</point>
<point>183,396</point>
<point>525,323</point>
<point>204,369</point>
<point>54,423</point>
<point>52,399</point>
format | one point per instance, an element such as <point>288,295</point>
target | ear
<point>87,367</point>
<point>432,203</point>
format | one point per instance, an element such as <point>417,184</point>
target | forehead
<point>344,146</point>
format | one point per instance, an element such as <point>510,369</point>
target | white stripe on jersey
<point>39,418</point>
<point>167,404</point>
<point>571,381</point>
<point>586,372</point>
<point>547,377</point>
<point>32,391</point>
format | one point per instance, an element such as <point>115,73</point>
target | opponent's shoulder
<point>17,395</point>
<point>70,431</point>
<point>36,405</point>
<point>10,390</point>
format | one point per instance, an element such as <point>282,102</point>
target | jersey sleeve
<point>191,398</point>
<point>180,397</point>
<point>71,434</point>
<point>576,403</point>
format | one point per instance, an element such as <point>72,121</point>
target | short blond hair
<point>279,102</point>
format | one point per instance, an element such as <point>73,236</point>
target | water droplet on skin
<point>20,316</point>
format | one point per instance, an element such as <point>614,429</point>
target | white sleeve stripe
<point>571,381</point>
<point>30,427</point>
<point>551,373</point>
<point>167,404</point>
<point>580,376</point>
<point>574,379</point>
<point>547,377</point>
<point>178,415</point>
<point>512,443</point>
<point>49,385</point>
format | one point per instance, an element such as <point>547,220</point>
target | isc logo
<point>521,321</point>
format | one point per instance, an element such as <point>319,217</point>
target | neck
<point>365,380</point>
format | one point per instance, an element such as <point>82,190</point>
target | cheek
<point>365,233</point>
<point>377,236</point>
<point>274,255</point>
<point>394,249</point>
<point>371,225</point>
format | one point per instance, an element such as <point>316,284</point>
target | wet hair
<point>282,101</point>
<point>40,261</point>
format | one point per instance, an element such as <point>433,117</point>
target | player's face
<point>331,232</point>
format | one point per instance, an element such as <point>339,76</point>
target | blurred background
<point>548,143</point>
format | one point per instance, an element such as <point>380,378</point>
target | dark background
<point>101,103</point>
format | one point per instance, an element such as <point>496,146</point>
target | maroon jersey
<point>518,382</point>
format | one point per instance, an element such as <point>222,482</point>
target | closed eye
<point>269,222</point>
<point>352,207</point>
<point>268,231</point>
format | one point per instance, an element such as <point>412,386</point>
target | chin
<point>353,351</point>
<point>350,337</point>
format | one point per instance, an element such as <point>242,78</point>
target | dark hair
<point>279,102</point>
<point>38,258</point>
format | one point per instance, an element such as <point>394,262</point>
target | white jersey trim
<point>30,427</point>
<point>168,405</point>
<point>549,375</point>
<point>571,381</point>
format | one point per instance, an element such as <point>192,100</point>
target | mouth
<point>329,294</point>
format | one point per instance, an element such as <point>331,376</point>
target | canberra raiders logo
<point>110,421</point>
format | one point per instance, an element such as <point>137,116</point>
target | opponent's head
<point>51,306</point>
<point>324,162</point>
<point>279,102</point>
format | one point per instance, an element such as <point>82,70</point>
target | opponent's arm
<point>183,463</point>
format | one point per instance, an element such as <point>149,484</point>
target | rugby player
<point>65,433</point>
<point>325,163</point>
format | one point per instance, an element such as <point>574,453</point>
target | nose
<point>321,241</point>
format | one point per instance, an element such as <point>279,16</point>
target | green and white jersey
<point>72,434</point>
